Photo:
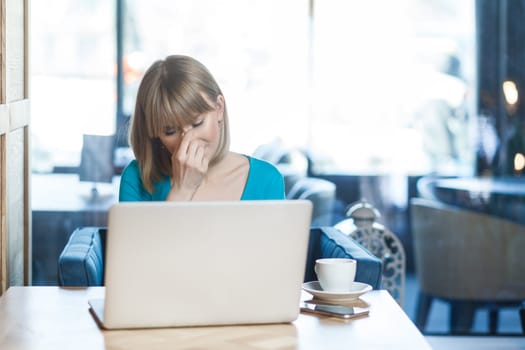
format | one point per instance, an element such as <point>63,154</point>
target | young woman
<point>180,137</point>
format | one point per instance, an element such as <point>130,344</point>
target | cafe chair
<point>290,176</point>
<point>81,263</point>
<point>470,260</point>
<point>362,227</point>
<point>321,193</point>
<point>277,152</point>
<point>291,162</point>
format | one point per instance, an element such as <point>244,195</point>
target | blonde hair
<point>173,91</point>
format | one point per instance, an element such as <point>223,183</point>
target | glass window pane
<point>72,78</point>
<point>257,50</point>
<point>390,85</point>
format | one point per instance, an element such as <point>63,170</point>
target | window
<point>390,85</point>
<point>371,91</point>
<point>257,50</point>
<point>72,78</point>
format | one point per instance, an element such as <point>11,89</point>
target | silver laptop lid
<point>205,263</point>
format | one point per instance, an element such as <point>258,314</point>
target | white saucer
<point>357,290</point>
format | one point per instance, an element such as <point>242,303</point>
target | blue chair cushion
<point>328,242</point>
<point>81,262</point>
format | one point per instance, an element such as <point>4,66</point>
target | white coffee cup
<point>336,275</point>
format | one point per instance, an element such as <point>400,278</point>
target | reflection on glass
<point>510,92</point>
<point>519,162</point>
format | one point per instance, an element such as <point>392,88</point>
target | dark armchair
<point>469,259</point>
<point>81,262</point>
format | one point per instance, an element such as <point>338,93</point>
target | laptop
<point>203,263</point>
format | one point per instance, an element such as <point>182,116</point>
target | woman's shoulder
<point>250,164</point>
<point>264,181</point>
<point>132,169</point>
<point>262,166</point>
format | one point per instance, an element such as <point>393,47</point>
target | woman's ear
<point>220,107</point>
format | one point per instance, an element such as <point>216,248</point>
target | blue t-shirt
<point>264,182</point>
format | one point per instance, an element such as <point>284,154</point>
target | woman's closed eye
<point>170,131</point>
<point>197,123</point>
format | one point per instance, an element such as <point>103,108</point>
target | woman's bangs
<point>175,110</point>
<point>161,118</point>
<point>189,104</point>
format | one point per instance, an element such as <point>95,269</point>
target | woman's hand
<point>189,167</point>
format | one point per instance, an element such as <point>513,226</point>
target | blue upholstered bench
<point>81,262</point>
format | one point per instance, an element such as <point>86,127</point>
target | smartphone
<point>341,311</point>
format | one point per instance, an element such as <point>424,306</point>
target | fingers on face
<point>197,154</point>
<point>183,150</point>
<point>193,149</point>
<point>192,152</point>
<point>200,157</point>
<point>184,143</point>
